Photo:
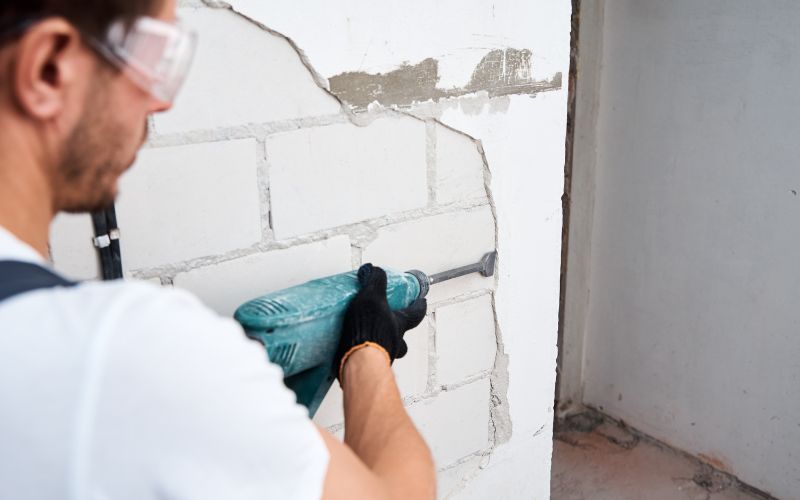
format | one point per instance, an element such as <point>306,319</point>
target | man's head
<point>73,93</point>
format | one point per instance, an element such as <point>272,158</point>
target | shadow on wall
<point>501,72</point>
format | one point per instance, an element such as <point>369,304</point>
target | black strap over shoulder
<point>19,277</point>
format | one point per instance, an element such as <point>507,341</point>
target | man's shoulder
<point>136,301</point>
<point>170,328</point>
<point>129,289</point>
<point>126,309</point>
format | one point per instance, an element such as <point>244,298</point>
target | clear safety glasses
<point>155,55</point>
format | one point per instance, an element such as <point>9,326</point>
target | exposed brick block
<point>330,176</point>
<point>183,202</point>
<point>252,77</point>
<point>456,423</point>
<point>459,167</point>
<point>412,370</point>
<point>227,285</point>
<point>71,246</point>
<point>465,339</point>
<point>435,244</point>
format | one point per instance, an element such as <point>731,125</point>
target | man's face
<point>104,142</point>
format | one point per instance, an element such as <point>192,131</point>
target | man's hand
<point>383,455</point>
<point>369,321</point>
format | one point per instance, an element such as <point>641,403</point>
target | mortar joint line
<point>466,458</point>
<point>433,354</point>
<point>364,227</point>
<point>461,298</point>
<point>431,145</point>
<point>414,399</point>
<point>361,232</point>
<point>264,194</point>
<point>469,379</point>
<point>356,256</point>
<point>485,455</point>
<point>239,131</point>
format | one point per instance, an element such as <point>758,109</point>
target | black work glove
<point>369,319</point>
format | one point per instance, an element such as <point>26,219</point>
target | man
<point>113,390</point>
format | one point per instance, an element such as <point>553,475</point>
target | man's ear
<point>49,60</point>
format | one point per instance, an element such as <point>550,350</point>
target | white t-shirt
<point>124,390</point>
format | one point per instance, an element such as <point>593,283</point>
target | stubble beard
<point>94,158</point>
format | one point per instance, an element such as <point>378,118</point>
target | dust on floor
<point>597,459</point>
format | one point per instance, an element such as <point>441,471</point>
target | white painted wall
<point>269,181</point>
<point>357,35</point>
<point>692,326</point>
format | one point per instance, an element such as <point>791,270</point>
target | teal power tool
<point>300,326</point>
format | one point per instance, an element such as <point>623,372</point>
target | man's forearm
<point>378,429</point>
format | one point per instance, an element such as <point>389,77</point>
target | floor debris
<point>595,458</point>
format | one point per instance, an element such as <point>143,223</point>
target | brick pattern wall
<point>260,179</point>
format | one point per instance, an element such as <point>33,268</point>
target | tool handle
<point>300,327</point>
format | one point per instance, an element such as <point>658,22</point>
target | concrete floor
<point>598,460</point>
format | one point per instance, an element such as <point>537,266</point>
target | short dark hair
<point>91,17</point>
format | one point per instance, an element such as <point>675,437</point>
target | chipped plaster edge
<point>320,80</point>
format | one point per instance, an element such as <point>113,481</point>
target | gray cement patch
<point>501,72</point>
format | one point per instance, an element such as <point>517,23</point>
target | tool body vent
<point>282,354</point>
<point>268,307</point>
